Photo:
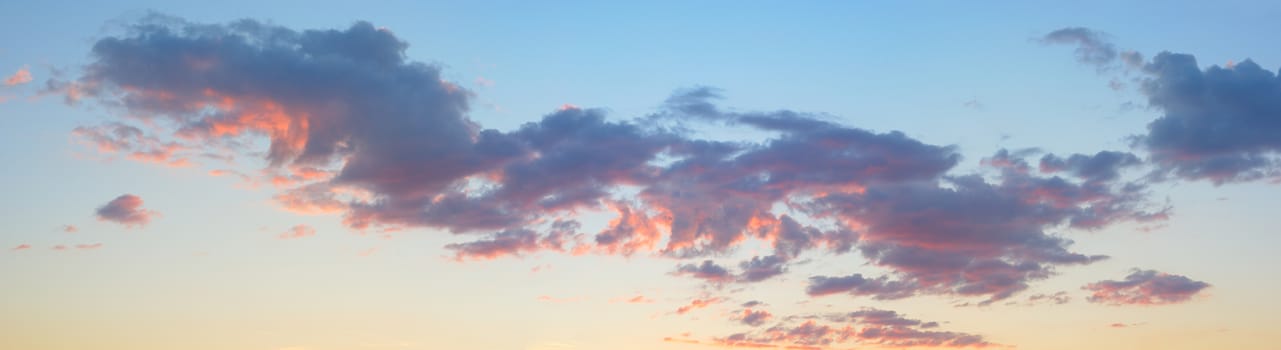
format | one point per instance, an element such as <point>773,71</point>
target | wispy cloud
<point>22,76</point>
<point>1145,287</point>
<point>298,231</point>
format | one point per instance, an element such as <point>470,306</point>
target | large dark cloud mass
<point>1219,123</point>
<point>352,126</point>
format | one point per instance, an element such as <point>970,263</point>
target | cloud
<point>515,242</point>
<point>966,235</point>
<point>698,303</point>
<point>393,146</point>
<point>298,231</point>
<point>708,271</point>
<point>70,228</point>
<point>1102,166</point>
<point>89,246</point>
<point>871,327</point>
<point>22,247</point>
<point>1091,46</point>
<point>22,76</point>
<point>126,210</point>
<point>754,317</point>
<point>1221,124</point>
<point>1145,287</point>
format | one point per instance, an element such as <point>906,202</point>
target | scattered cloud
<point>1145,287</point>
<point>22,76</point>
<point>126,210</point>
<point>298,231</point>
<point>70,228</point>
<point>870,327</point>
<point>1092,47</point>
<point>22,247</point>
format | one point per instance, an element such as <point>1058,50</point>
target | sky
<point>303,175</point>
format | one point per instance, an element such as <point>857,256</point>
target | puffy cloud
<point>1145,287</point>
<point>708,271</point>
<point>1221,124</point>
<point>126,210</point>
<point>22,76</point>
<point>754,317</point>
<point>298,231</point>
<point>391,145</point>
<point>965,235</point>
<point>761,268</point>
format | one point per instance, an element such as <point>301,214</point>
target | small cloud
<point>70,228</point>
<point>697,304</point>
<point>22,247</point>
<point>22,76</point>
<point>126,210</point>
<point>1145,287</point>
<point>639,299</point>
<point>89,246</point>
<point>974,104</point>
<point>482,81</point>
<point>298,231</point>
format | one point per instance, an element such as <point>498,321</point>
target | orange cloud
<point>298,231</point>
<point>22,76</point>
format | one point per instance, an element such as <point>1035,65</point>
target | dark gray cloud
<point>1221,124</point>
<point>1145,287</point>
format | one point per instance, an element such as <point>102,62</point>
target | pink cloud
<point>698,304</point>
<point>22,247</point>
<point>89,246</point>
<point>126,210</point>
<point>22,76</point>
<point>298,231</point>
<point>70,228</point>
